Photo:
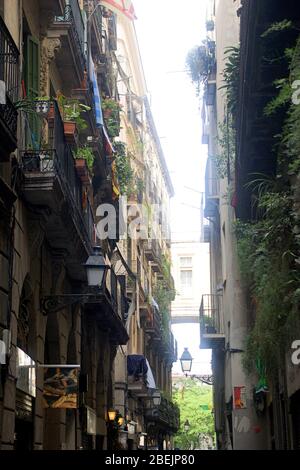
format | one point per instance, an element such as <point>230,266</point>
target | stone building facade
<point>253,409</point>
<point>57,69</point>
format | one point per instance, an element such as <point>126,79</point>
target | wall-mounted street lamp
<point>96,270</point>
<point>111,415</point>
<point>156,397</point>
<point>186,361</point>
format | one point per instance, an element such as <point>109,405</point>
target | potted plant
<point>84,161</point>
<point>72,115</point>
<point>209,326</point>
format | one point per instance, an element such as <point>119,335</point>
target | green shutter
<point>32,67</point>
<point>32,84</point>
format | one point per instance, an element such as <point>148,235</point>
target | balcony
<point>212,335</point>
<point>86,96</point>
<point>71,57</point>
<point>50,182</point>
<point>167,415</point>
<point>212,190</point>
<point>110,313</point>
<point>139,375</point>
<point>9,90</point>
<point>153,323</point>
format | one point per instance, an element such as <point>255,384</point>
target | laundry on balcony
<point>139,368</point>
<point>97,99</point>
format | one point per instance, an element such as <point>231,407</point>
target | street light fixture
<point>186,361</point>
<point>112,414</point>
<point>156,397</point>
<point>96,268</point>
<point>96,271</point>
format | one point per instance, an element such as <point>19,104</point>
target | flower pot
<point>107,113</point>
<point>210,330</point>
<point>82,170</point>
<point>51,115</point>
<point>71,132</point>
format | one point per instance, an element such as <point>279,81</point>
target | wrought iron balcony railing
<point>73,17</point>
<point>9,75</point>
<point>58,162</point>
<point>167,414</point>
<point>211,321</point>
<point>212,189</point>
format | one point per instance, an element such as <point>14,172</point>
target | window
<point>186,278</point>
<point>186,262</point>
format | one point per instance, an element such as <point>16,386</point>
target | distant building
<point>190,269</point>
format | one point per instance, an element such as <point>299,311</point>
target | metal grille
<point>9,74</point>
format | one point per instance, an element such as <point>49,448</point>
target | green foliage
<point>267,262</point>
<point>86,153</point>
<point>225,159</point>
<point>111,111</point>
<point>195,402</point>
<point>289,155</point>
<point>72,110</point>
<point>231,77</point>
<point>200,62</point>
<point>124,171</point>
<point>281,99</point>
<point>164,295</point>
<point>268,247</point>
<point>277,27</point>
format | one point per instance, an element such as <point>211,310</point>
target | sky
<point>167,30</point>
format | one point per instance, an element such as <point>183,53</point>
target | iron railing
<point>60,161</point>
<point>153,324</point>
<point>9,74</point>
<point>211,315</point>
<point>72,15</point>
<point>167,412</point>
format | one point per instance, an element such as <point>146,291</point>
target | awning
<point>124,7</point>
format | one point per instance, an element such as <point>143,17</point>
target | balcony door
<point>31,83</point>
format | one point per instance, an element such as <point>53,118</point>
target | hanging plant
<point>124,171</point>
<point>111,113</point>
<point>200,63</point>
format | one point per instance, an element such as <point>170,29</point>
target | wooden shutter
<point>32,67</point>
<point>32,84</point>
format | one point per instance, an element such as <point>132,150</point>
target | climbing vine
<point>125,173</point>
<point>268,248</point>
<point>164,295</point>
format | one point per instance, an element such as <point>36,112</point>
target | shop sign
<point>240,398</point>
<point>60,386</point>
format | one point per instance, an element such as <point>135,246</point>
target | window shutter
<point>32,84</point>
<point>32,67</point>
